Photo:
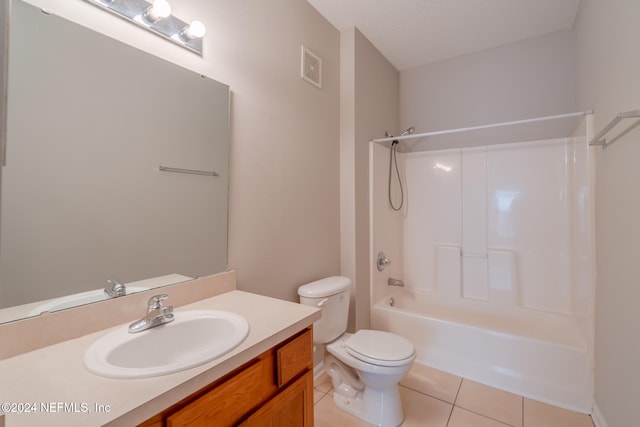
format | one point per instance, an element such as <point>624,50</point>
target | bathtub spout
<point>395,282</point>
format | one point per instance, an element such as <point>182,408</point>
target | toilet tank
<point>332,296</point>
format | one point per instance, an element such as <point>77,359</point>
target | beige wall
<point>608,73</point>
<point>4,7</point>
<point>370,107</point>
<point>527,79</point>
<point>284,203</point>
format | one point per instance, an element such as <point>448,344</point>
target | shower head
<point>408,131</point>
<point>405,133</point>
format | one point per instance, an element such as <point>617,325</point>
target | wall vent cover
<point>311,67</point>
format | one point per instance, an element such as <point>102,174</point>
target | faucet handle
<point>382,261</point>
<point>155,302</point>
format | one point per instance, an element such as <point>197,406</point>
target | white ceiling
<point>410,33</point>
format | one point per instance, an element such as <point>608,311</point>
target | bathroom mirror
<point>90,120</point>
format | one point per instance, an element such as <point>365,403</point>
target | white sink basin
<point>193,338</point>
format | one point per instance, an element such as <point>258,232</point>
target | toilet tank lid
<point>325,287</point>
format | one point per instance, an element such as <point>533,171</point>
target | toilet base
<point>381,408</point>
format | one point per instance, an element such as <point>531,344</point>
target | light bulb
<point>158,10</point>
<point>195,30</point>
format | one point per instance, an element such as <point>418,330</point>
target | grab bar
<point>191,171</point>
<point>599,140</point>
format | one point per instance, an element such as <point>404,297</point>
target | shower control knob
<point>383,261</point>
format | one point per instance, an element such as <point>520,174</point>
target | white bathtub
<point>533,354</point>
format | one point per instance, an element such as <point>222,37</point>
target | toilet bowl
<point>378,400</point>
<point>365,367</point>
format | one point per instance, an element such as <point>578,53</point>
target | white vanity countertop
<point>54,378</point>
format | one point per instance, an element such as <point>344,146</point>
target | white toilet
<point>365,367</point>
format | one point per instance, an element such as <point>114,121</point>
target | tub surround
<point>499,279</point>
<point>57,374</point>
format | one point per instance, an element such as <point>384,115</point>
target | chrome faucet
<point>157,314</point>
<point>115,288</point>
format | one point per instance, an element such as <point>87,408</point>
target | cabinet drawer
<point>227,403</point>
<point>294,357</point>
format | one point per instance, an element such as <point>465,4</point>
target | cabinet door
<point>293,407</point>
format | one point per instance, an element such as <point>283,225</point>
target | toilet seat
<point>380,348</point>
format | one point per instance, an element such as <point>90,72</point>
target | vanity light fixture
<point>194,30</point>
<point>157,18</point>
<point>158,10</point>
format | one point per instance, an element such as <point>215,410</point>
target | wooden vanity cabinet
<point>274,389</point>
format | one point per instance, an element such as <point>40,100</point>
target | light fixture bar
<point>171,28</point>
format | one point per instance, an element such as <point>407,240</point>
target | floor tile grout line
<point>427,394</point>
<point>458,392</point>
<point>485,416</point>
<point>453,405</point>
<point>450,414</point>
<point>319,400</point>
<point>324,394</point>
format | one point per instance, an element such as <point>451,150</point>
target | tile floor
<point>433,398</point>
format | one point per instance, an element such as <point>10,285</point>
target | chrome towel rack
<point>191,171</point>
<point>599,138</point>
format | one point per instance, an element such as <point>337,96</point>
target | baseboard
<point>318,371</point>
<point>598,418</point>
